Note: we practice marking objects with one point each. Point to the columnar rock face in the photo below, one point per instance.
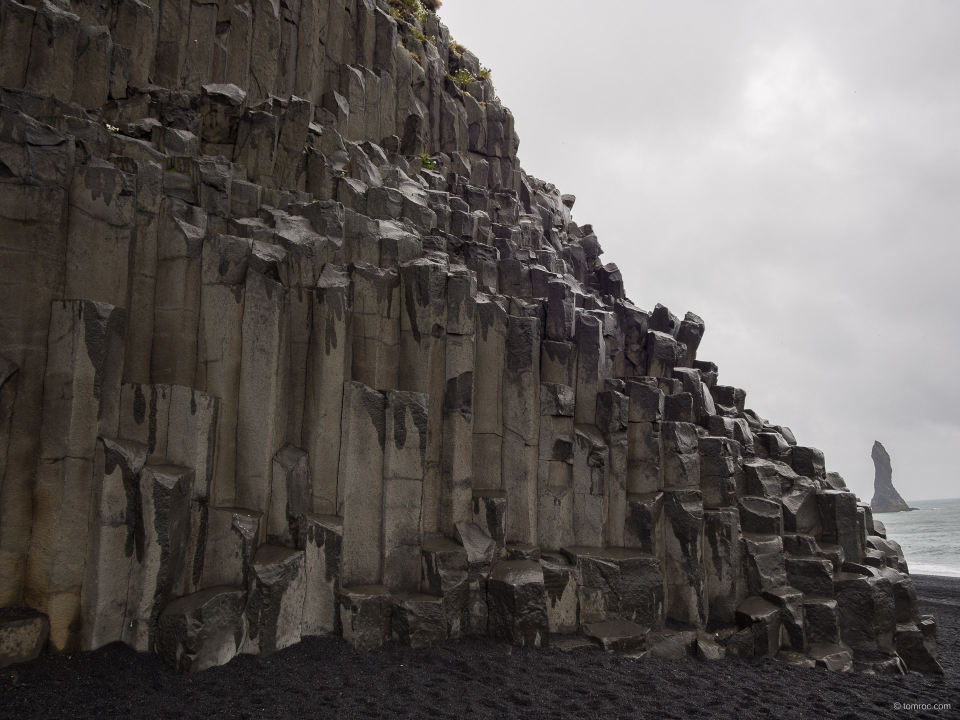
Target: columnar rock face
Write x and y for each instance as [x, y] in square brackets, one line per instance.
[885, 495]
[290, 345]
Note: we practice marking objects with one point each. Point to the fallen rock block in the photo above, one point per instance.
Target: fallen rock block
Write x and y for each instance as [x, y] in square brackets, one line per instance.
[23, 635]
[418, 620]
[741, 644]
[365, 614]
[917, 645]
[833, 657]
[668, 644]
[516, 604]
[709, 649]
[202, 630]
[275, 606]
[893, 665]
[618, 635]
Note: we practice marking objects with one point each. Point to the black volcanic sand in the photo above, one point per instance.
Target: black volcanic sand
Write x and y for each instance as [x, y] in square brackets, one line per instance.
[325, 678]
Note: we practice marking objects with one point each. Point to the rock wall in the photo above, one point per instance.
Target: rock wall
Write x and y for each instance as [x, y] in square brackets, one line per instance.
[290, 345]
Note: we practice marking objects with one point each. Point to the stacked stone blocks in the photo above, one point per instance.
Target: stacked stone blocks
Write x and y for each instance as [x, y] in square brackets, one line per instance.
[291, 346]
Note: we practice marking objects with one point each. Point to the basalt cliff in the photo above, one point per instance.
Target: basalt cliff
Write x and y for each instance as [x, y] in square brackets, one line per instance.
[291, 345]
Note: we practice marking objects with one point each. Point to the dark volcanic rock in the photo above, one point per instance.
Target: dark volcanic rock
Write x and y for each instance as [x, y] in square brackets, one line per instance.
[482, 678]
[202, 630]
[885, 495]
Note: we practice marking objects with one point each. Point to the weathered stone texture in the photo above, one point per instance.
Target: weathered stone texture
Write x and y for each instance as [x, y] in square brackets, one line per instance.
[885, 497]
[291, 345]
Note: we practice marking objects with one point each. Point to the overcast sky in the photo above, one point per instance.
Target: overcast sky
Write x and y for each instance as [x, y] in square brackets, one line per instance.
[789, 171]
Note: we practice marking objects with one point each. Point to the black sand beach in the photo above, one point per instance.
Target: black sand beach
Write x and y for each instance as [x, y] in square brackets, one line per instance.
[325, 678]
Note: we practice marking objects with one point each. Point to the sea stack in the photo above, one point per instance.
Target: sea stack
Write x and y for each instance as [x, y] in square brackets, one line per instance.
[885, 496]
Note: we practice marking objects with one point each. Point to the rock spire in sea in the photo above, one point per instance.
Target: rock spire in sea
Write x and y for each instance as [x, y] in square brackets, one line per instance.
[885, 496]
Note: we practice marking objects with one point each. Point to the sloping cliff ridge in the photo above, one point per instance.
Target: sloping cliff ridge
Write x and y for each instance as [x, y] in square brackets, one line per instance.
[291, 345]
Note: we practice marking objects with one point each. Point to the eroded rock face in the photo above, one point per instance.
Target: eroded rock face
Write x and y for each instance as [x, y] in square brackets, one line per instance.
[291, 345]
[885, 495]
[202, 630]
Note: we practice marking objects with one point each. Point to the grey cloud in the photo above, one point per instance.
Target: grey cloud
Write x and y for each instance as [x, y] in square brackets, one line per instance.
[789, 171]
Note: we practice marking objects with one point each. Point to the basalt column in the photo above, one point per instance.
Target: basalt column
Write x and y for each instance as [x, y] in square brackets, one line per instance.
[423, 348]
[521, 428]
[223, 271]
[328, 368]
[291, 345]
[81, 401]
[491, 338]
[458, 402]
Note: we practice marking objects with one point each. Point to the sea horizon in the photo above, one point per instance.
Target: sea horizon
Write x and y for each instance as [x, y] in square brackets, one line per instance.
[929, 535]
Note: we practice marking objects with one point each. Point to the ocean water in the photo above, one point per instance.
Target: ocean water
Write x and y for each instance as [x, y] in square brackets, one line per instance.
[930, 536]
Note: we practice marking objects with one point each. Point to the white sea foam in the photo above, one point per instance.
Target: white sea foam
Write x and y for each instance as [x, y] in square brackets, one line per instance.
[941, 570]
